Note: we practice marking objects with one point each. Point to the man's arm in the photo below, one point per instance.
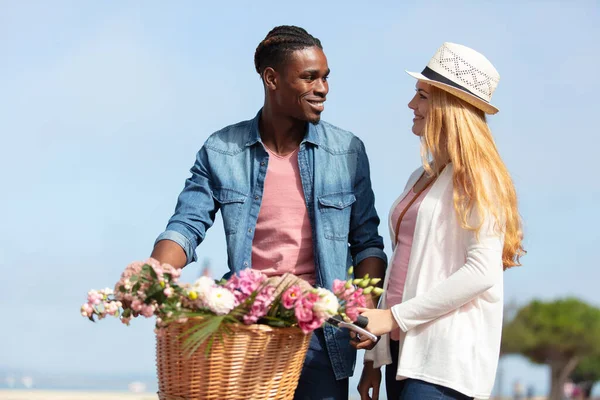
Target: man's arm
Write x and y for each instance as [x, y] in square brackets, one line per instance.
[169, 252]
[366, 245]
[375, 267]
[194, 215]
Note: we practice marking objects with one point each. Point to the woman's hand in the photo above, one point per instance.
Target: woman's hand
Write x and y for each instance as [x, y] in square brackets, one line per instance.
[370, 378]
[380, 321]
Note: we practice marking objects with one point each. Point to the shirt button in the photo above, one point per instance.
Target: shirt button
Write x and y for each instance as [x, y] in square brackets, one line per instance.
[249, 230]
[262, 163]
[245, 263]
[255, 197]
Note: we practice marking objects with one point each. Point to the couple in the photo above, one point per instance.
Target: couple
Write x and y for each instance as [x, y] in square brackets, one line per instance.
[295, 196]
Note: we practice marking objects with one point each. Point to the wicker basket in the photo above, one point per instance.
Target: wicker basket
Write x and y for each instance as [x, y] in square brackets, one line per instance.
[254, 362]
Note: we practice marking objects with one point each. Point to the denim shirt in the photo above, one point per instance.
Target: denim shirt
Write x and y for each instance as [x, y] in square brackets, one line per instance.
[229, 175]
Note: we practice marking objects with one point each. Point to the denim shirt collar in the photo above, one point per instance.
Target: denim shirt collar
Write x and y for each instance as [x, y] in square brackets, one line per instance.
[311, 136]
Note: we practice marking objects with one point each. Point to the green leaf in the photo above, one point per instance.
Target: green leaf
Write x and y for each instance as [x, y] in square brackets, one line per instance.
[152, 292]
[276, 304]
[221, 282]
[276, 322]
[152, 272]
[194, 337]
[136, 287]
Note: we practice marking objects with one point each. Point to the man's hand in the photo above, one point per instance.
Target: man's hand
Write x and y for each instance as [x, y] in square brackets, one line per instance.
[369, 379]
[361, 343]
[286, 280]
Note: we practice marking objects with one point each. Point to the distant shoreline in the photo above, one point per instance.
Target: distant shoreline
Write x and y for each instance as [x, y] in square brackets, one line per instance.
[29, 394]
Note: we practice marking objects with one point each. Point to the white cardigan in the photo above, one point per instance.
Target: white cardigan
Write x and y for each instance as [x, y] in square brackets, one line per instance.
[451, 310]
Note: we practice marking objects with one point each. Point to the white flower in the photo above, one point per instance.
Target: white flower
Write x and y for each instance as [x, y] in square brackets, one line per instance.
[220, 300]
[327, 305]
[202, 287]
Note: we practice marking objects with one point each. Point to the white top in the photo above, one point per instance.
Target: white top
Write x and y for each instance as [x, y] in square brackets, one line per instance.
[451, 310]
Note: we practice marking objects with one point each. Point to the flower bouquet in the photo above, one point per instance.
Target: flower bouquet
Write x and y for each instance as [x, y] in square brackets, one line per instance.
[245, 337]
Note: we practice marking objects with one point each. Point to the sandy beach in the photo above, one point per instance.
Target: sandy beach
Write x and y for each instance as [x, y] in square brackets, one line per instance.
[64, 395]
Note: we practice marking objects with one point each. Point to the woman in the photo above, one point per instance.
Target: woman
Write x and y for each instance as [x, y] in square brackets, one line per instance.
[455, 229]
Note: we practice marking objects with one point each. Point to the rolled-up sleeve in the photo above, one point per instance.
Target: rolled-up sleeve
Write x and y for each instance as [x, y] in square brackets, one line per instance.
[364, 237]
[173, 234]
[195, 210]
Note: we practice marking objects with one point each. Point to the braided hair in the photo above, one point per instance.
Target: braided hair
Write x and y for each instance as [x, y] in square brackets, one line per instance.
[279, 43]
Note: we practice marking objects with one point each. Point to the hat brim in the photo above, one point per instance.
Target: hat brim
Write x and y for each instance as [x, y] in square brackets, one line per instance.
[461, 94]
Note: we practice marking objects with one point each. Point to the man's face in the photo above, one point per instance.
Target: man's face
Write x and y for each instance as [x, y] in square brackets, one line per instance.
[302, 85]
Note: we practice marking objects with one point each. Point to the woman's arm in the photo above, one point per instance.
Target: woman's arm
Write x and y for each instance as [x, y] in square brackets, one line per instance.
[481, 271]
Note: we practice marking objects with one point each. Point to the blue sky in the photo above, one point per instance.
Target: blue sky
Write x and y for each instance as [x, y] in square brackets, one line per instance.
[104, 105]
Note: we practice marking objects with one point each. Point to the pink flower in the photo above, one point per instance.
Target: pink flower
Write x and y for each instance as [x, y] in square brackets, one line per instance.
[132, 269]
[354, 300]
[266, 295]
[289, 297]
[87, 310]
[246, 286]
[250, 280]
[174, 272]
[339, 287]
[245, 283]
[310, 326]
[147, 310]
[94, 297]
[250, 319]
[352, 313]
[304, 307]
[111, 307]
[168, 291]
[155, 264]
[136, 305]
[261, 305]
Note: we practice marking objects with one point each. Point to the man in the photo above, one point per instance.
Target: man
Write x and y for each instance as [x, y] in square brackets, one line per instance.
[295, 196]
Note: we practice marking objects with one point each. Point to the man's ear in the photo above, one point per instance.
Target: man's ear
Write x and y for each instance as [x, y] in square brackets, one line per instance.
[270, 78]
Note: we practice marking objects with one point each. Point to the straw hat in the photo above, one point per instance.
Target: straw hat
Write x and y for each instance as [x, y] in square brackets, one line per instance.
[463, 72]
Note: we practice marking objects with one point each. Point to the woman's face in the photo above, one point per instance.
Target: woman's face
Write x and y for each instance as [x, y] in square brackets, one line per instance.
[420, 105]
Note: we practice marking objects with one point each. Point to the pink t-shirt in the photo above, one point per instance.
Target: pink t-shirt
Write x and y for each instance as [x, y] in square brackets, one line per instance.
[404, 238]
[283, 236]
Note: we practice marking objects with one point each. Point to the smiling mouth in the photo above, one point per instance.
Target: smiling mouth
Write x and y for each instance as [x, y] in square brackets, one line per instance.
[318, 105]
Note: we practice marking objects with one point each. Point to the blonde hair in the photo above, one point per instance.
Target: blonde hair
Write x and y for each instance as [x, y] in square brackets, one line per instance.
[457, 132]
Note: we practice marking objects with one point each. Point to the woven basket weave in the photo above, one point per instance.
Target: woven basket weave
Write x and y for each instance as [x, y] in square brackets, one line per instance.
[254, 362]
